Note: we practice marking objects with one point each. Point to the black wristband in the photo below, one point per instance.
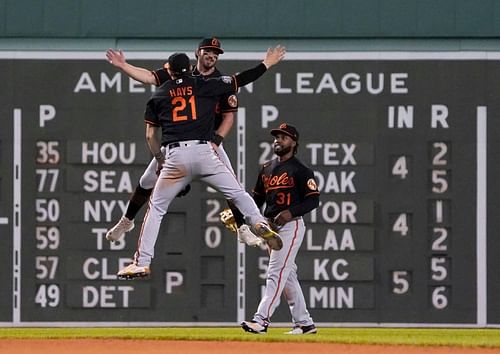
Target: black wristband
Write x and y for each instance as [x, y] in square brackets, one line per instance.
[217, 139]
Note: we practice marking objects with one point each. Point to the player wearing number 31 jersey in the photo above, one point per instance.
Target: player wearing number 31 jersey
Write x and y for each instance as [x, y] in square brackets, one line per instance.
[290, 191]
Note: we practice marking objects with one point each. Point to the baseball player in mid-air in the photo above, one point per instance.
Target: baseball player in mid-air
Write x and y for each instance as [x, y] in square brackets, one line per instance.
[290, 191]
[207, 55]
[183, 109]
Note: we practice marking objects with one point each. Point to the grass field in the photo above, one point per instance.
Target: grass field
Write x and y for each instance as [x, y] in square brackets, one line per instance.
[488, 338]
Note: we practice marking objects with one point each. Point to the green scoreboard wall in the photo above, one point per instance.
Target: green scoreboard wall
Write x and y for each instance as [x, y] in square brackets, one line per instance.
[404, 146]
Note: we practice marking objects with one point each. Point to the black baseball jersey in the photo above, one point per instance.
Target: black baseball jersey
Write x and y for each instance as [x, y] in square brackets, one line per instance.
[185, 107]
[227, 102]
[285, 185]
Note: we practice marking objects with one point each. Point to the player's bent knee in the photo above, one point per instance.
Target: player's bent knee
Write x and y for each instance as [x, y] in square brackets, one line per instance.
[147, 182]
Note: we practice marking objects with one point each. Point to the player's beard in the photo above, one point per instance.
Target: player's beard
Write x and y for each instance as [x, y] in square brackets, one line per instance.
[207, 63]
[280, 150]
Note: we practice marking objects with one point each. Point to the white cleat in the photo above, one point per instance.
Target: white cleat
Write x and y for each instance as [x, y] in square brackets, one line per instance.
[311, 329]
[247, 236]
[117, 231]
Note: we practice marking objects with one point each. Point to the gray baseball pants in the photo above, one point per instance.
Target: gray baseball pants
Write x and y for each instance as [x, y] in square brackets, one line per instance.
[189, 161]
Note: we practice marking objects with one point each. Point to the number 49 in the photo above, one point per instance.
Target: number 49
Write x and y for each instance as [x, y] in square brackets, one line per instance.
[48, 295]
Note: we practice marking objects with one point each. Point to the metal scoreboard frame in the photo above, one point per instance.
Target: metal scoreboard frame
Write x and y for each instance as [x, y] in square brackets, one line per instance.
[401, 238]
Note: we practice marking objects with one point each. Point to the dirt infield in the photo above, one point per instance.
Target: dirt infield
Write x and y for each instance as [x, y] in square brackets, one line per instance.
[111, 346]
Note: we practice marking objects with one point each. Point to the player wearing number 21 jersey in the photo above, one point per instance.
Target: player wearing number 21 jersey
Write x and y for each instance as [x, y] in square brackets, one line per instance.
[184, 109]
[207, 56]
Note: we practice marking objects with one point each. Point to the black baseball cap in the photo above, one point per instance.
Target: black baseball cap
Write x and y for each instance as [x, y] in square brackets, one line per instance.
[287, 129]
[210, 43]
[179, 62]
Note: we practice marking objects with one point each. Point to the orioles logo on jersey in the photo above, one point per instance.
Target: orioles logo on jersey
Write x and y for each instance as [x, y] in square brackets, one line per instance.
[311, 184]
[232, 101]
[277, 182]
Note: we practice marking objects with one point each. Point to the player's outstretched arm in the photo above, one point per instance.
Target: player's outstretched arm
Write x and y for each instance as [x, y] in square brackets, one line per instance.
[117, 59]
[274, 56]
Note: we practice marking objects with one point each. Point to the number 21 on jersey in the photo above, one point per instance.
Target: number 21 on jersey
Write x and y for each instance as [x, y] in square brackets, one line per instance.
[183, 109]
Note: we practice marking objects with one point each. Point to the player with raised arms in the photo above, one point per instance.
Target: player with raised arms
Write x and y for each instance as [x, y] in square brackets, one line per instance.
[183, 109]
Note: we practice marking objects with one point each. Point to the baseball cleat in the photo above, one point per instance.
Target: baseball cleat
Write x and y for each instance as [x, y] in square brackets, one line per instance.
[133, 271]
[311, 329]
[271, 237]
[254, 327]
[117, 231]
[247, 236]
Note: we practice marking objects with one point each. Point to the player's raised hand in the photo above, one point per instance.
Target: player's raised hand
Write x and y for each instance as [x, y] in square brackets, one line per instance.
[116, 58]
[274, 56]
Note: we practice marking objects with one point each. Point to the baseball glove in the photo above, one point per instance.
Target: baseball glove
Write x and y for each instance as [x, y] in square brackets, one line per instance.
[227, 218]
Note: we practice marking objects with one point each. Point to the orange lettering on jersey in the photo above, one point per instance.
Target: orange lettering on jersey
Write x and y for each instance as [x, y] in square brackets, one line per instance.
[181, 91]
[276, 182]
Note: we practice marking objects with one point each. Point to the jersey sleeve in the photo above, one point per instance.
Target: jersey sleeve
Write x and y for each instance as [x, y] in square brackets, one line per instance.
[308, 183]
[161, 75]
[259, 191]
[250, 75]
[228, 103]
[150, 115]
[308, 189]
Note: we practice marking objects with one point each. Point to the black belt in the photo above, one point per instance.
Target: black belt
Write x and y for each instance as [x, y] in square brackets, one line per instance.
[185, 143]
